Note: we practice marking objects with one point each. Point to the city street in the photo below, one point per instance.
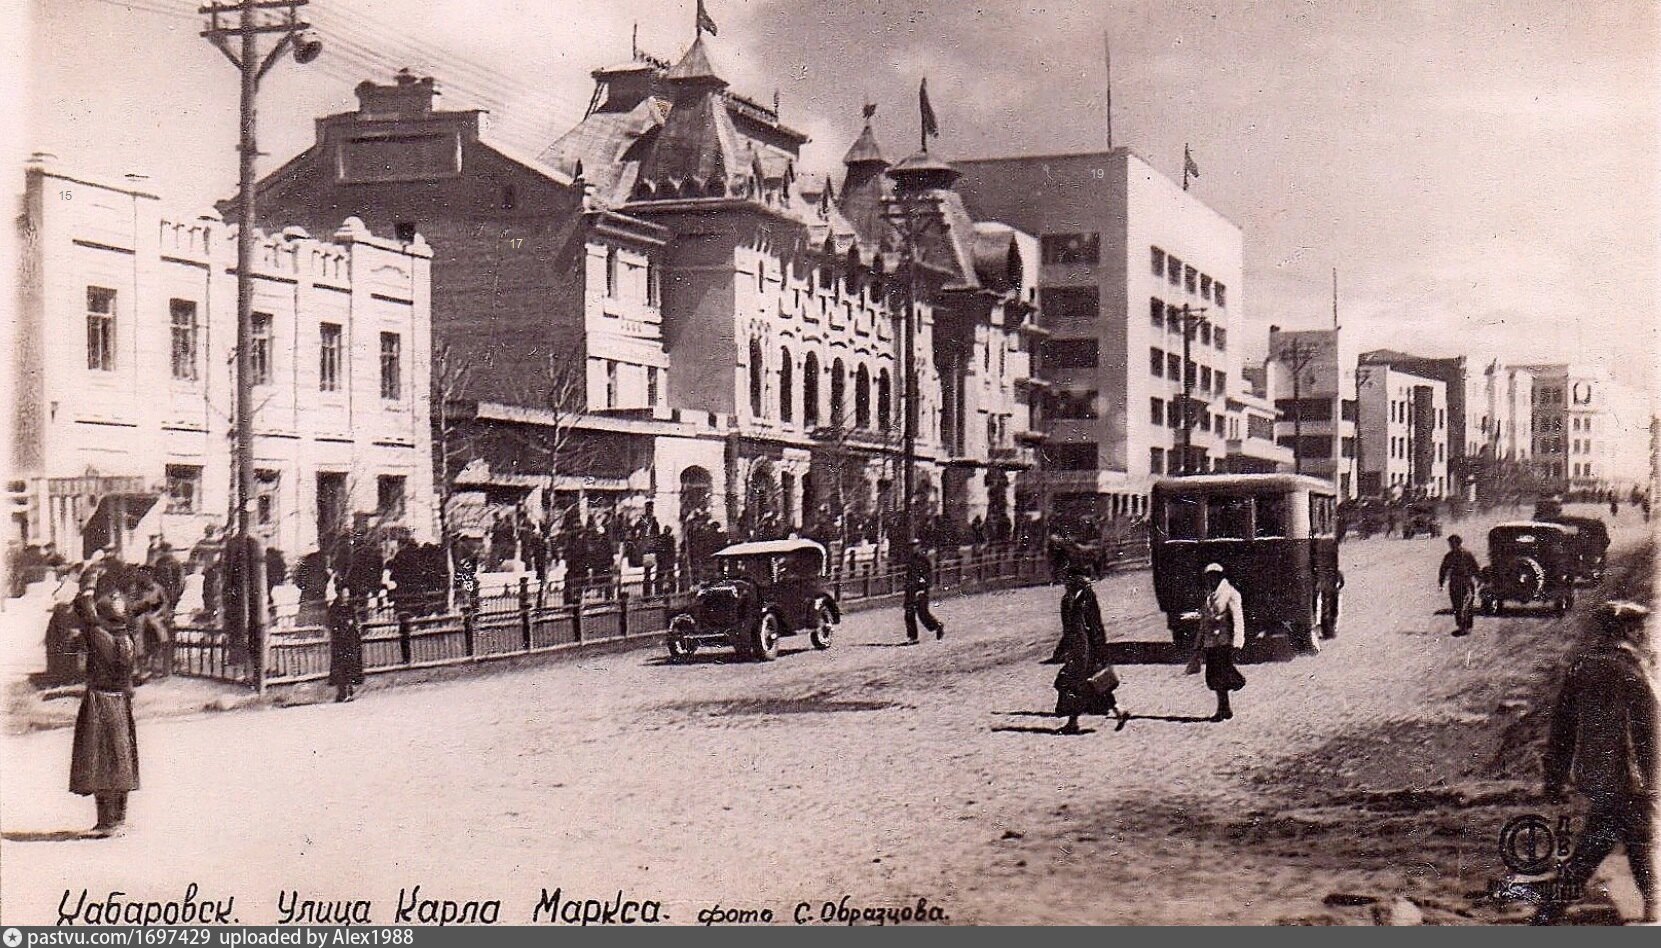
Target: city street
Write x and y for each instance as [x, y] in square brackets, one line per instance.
[1383, 767]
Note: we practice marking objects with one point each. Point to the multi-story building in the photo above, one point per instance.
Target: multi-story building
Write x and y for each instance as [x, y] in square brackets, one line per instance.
[1461, 387]
[1250, 421]
[123, 398]
[1129, 260]
[1311, 374]
[1404, 430]
[739, 327]
[1502, 421]
[1588, 429]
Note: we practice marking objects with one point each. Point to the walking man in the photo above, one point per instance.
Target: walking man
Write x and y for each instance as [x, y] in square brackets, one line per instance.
[1223, 630]
[1459, 574]
[919, 577]
[1603, 741]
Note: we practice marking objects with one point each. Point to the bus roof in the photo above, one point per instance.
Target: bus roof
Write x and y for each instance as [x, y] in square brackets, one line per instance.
[1210, 482]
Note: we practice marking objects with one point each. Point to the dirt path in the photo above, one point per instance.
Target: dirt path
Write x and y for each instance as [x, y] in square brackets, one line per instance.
[880, 772]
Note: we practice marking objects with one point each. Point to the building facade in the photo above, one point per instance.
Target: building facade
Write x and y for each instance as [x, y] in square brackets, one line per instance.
[1130, 264]
[1311, 375]
[1404, 433]
[737, 327]
[1588, 429]
[123, 404]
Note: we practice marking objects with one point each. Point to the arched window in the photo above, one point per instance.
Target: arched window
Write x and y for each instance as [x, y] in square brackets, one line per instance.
[810, 390]
[695, 491]
[787, 393]
[757, 371]
[862, 397]
[885, 399]
[839, 387]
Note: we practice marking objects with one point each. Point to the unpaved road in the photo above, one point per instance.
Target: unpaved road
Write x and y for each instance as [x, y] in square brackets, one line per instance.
[880, 772]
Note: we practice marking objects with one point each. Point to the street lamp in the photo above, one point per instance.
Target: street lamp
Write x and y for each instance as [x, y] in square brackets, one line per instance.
[913, 211]
[247, 20]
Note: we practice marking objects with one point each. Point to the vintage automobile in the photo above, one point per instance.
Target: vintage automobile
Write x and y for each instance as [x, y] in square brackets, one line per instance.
[1363, 517]
[1276, 537]
[1420, 518]
[1590, 542]
[1529, 561]
[762, 591]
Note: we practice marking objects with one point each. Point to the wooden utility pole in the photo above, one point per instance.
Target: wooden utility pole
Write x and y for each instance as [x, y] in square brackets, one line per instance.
[1297, 355]
[246, 21]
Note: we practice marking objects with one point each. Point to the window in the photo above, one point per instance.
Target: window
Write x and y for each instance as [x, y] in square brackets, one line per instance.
[1156, 410]
[787, 387]
[1441, 418]
[1074, 405]
[1173, 270]
[404, 231]
[1228, 518]
[611, 272]
[1188, 375]
[1205, 378]
[654, 283]
[1156, 312]
[1347, 447]
[1219, 338]
[1219, 293]
[1158, 260]
[1070, 308]
[653, 393]
[1205, 332]
[1070, 248]
[1173, 414]
[1305, 409]
[1173, 318]
[1190, 279]
[259, 357]
[1222, 383]
[838, 394]
[611, 383]
[100, 329]
[328, 357]
[1156, 362]
[510, 198]
[1182, 517]
[761, 276]
[392, 373]
[810, 390]
[862, 397]
[389, 497]
[1156, 460]
[184, 489]
[1271, 516]
[182, 319]
[885, 399]
[1070, 353]
[1205, 287]
[1257, 426]
[266, 486]
[1347, 409]
[1323, 516]
[1070, 456]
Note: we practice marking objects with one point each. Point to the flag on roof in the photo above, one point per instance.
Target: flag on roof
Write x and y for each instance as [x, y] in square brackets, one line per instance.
[705, 24]
[931, 128]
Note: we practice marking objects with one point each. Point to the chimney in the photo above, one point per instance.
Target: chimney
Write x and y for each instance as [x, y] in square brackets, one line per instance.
[408, 96]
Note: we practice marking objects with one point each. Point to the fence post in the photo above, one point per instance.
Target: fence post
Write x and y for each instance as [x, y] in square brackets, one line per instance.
[467, 633]
[622, 613]
[404, 650]
[577, 619]
[525, 612]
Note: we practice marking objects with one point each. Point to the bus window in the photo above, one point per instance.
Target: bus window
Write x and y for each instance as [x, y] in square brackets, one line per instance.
[1271, 516]
[1228, 518]
[1323, 516]
[1182, 518]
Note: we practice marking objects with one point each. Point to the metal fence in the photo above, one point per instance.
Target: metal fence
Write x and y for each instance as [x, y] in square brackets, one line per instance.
[534, 618]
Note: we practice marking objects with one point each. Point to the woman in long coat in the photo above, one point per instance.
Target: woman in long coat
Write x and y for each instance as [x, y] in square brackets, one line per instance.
[1223, 632]
[1084, 655]
[104, 763]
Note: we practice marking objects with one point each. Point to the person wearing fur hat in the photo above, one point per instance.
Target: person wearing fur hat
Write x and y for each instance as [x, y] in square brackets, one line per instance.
[104, 761]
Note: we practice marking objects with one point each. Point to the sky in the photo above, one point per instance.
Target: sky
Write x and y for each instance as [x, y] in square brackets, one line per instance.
[1483, 175]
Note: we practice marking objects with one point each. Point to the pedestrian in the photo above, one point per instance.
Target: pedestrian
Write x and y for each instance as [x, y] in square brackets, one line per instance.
[1085, 682]
[169, 572]
[150, 611]
[1222, 631]
[1603, 741]
[1459, 574]
[345, 645]
[104, 761]
[919, 577]
[1614, 508]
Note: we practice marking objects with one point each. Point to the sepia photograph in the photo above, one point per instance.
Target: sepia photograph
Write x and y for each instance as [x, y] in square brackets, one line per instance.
[827, 463]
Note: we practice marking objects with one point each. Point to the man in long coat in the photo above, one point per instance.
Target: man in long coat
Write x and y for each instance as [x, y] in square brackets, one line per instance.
[1459, 573]
[1080, 684]
[104, 761]
[1603, 741]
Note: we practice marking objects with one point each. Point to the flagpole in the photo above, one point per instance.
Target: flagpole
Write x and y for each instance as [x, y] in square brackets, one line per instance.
[1107, 47]
[1185, 164]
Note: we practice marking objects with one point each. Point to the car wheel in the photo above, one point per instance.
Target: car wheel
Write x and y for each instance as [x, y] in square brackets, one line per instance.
[1489, 606]
[1305, 634]
[680, 647]
[765, 646]
[826, 627]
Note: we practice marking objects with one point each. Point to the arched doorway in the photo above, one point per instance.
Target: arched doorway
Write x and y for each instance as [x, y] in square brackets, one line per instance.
[696, 488]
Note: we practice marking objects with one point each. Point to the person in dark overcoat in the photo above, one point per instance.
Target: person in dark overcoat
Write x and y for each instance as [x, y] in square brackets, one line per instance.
[104, 761]
[919, 578]
[151, 614]
[1084, 654]
[345, 646]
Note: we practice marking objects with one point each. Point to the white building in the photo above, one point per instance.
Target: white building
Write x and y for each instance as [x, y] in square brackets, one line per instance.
[1501, 405]
[1311, 375]
[123, 404]
[1404, 432]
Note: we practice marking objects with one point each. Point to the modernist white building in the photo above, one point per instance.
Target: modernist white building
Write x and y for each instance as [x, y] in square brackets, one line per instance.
[1404, 432]
[1319, 406]
[122, 399]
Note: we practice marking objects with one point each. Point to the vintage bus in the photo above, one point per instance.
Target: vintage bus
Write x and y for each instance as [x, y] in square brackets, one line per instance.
[1276, 537]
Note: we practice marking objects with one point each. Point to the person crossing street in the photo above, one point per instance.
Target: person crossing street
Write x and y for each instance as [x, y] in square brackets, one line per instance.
[1459, 574]
[919, 577]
